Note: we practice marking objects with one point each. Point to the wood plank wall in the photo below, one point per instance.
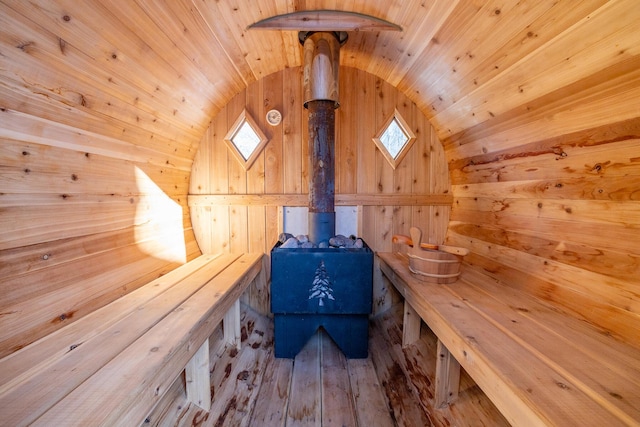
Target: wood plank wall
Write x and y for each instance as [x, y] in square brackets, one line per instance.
[535, 102]
[389, 201]
[94, 168]
[546, 179]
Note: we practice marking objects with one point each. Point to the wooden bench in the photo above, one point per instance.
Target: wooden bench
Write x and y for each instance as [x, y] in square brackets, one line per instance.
[539, 365]
[111, 367]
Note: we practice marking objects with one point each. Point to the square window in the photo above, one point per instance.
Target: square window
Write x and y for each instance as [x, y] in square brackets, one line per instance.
[394, 139]
[246, 140]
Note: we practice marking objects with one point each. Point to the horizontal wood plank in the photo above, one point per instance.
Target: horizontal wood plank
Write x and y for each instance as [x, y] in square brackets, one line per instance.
[521, 383]
[43, 373]
[606, 365]
[133, 381]
[303, 200]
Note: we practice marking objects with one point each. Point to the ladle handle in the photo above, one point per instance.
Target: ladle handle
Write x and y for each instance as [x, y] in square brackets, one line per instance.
[416, 237]
[406, 240]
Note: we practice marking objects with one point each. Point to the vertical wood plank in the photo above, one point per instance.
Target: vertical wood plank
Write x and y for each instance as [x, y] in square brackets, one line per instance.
[256, 216]
[410, 325]
[421, 158]
[238, 215]
[272, 98]
[371, 408]
[346, 135]
[438, 223]
[256, 235]
[385, 104]
[220, 229]
[440, 183]
[238, 238]
[404, 173]
[197, 378]
[292, 129]
[337, 404]
[231, 325]
[254, 105]
[219, 162]
[200, 183]
[219, 182]
[306, 390]
[202, 223]
[447, 377]
[271, 407]
[365, 99]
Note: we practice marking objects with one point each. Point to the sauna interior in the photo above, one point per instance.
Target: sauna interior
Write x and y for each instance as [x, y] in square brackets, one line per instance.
[135, 241]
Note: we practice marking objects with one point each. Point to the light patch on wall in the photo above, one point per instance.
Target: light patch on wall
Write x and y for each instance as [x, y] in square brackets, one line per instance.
[159, 216]
[347, 220]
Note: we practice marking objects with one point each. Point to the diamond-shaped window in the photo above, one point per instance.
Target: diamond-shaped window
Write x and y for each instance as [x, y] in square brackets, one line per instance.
[394, 139]
[245, 139]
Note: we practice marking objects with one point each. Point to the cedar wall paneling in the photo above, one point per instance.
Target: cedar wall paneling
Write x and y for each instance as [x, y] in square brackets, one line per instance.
[281, 171]
[547, 188]
[79, 228]
[94, 165]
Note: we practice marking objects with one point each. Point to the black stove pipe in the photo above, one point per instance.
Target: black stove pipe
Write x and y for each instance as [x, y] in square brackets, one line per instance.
[322, 217]
[321, 65]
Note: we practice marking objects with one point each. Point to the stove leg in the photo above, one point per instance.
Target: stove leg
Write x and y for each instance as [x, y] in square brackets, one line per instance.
[349, 332]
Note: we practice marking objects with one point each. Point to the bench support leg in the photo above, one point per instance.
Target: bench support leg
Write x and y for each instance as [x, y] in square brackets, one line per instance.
[197, 378]
[231, 325]
[447, 377]
[410, 325]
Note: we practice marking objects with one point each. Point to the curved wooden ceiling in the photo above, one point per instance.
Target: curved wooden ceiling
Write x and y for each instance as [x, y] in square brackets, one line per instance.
[462, 62]
[164, 68]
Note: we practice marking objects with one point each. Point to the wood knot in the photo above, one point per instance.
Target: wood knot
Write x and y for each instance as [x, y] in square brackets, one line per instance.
[25, 46]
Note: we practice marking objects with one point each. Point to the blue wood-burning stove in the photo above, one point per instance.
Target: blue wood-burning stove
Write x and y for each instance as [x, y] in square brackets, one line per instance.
[329, 288]
[321, 287]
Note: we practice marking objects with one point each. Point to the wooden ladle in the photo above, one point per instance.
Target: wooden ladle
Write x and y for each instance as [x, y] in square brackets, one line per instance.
[409, 241]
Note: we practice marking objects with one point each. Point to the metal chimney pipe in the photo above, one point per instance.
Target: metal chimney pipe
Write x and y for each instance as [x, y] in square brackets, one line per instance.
[322, 217]
[321, 66]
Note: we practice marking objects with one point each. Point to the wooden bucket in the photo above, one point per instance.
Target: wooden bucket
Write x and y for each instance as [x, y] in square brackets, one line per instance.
[434, 266]
[430, 265]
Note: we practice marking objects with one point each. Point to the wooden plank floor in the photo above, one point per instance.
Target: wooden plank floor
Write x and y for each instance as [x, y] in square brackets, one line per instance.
[320, 387]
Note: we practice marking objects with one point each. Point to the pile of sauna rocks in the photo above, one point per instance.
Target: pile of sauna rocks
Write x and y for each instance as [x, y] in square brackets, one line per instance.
[302, 241]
